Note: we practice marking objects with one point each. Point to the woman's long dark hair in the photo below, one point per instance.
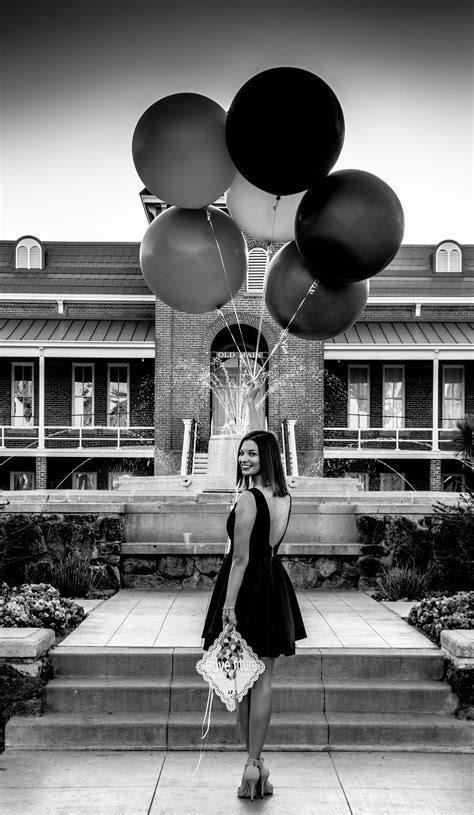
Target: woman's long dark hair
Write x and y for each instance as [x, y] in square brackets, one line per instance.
[271, 468]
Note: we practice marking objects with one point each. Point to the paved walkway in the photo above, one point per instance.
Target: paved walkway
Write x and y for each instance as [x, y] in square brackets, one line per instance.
[165, 619]
[153, 783]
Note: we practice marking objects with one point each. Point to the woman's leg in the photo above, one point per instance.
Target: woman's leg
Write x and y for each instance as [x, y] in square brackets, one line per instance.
[244, 718]
[260, 710]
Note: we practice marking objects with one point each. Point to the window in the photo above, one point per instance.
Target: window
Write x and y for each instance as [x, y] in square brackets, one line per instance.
[454, 482]
[29, 254]
[22, 481]
[82, 395]
[448, 257]
[257, 269]
[358, 401]
[393, 396]
[84, 481]
[118, 406]
[22, 395]
[362, 477]
[114, 477]
[453, 394]
[392, 481]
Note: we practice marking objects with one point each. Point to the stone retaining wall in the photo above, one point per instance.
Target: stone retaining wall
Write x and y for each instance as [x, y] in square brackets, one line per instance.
[199, 571]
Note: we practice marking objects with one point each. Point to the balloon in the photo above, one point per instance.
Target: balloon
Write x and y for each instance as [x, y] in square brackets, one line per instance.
[325, 313]
[349, 226]
[259, 214]
[180, 260]
[180, 152]
[285, 130]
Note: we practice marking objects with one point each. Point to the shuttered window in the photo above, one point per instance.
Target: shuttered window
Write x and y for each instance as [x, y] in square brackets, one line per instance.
[448, 258]
[29, 254]
[257, 268]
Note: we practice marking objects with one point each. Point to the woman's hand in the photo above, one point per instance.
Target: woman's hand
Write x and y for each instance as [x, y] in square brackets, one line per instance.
[228, 617]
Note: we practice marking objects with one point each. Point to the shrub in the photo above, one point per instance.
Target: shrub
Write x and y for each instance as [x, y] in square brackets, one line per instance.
[436, 614]
[400, 583]
[452, 529]
[38, 605]
[72, 575]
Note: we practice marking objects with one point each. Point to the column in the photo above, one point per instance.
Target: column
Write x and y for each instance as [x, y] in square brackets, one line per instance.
[436, 481]
[186, 443]
[435, 432]
[41, 389]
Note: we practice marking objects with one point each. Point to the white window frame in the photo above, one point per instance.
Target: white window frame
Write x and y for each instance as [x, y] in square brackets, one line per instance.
[254, 284]
[14, 473]
[452, 249]
[75, 478]
[402, 418]
[356, 426]
[445, 420]
[14, 419]
[29, 243]
[118, 365]
[383, 476]
[75, 419]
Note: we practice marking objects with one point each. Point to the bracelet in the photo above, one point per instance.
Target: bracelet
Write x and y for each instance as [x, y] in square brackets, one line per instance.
[227, 609]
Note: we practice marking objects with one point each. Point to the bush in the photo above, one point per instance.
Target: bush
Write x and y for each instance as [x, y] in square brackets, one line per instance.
[436, 614]
[72, 576]
[401, 583]
[38, 605]
[452, 562]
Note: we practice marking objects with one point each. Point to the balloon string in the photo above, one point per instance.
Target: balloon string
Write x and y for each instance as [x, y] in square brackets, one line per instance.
[285, 332]
[205, 728]
[264, 288]
[246, 358]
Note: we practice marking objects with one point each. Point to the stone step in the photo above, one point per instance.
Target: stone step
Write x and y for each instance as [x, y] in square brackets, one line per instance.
[87, 696]
[294, 695]
[113, 662]
[402, 696]
[71, 731]
[375, 731]
[382, 663]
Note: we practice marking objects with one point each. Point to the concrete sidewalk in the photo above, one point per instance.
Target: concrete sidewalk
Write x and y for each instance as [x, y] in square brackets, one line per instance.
[148, 783]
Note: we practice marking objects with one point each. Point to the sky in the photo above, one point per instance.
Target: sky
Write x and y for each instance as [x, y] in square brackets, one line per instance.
[77, 76]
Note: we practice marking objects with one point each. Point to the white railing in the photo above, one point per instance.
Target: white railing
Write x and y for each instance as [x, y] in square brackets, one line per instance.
[382, 438]
[78, 438]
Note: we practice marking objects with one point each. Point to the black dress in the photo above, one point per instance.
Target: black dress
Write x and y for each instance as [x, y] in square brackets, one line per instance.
[267, 611]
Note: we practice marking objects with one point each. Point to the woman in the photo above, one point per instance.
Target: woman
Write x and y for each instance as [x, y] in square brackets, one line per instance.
[253, 592]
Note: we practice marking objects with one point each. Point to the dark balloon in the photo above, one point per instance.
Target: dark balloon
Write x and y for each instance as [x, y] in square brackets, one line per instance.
[180, 151]
[285, 130]
[325, 313]
[180, 260]
[349, 226]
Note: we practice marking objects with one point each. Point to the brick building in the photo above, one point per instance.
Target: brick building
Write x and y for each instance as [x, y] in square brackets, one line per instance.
[82, 339]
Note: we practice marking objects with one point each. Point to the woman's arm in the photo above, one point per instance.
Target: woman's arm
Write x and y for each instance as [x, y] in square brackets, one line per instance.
[245, 513]
[251, 394]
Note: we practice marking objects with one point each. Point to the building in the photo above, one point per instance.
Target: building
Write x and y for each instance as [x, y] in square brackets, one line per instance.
[81, 341]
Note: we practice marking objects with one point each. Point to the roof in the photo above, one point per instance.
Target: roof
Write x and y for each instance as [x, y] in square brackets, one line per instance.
[114, 268]
[404, 333]
[65, 330]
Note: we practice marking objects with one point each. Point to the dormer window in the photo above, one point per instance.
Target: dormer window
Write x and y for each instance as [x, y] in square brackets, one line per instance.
[257, 267]
[29, 253]
[448, 257]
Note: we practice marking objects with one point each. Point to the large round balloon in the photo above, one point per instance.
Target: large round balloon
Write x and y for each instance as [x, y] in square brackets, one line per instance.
[260, 215]
[285, 130]
[180, 258]
[324, 313]
[349, 226]
[180, 151]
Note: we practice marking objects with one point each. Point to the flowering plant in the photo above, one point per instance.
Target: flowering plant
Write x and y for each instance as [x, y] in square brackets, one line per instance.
[38, 605]
[436, 614]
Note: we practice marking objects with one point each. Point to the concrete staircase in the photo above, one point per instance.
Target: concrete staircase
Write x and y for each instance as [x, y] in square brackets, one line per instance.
[324, 699]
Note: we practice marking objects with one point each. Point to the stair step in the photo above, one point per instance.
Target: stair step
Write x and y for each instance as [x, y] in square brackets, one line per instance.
[291, 696]
[403, 696]
[63, 731]
[306, 664]
[113, 662]
[382, 663]
[427, 733]
[78, 695]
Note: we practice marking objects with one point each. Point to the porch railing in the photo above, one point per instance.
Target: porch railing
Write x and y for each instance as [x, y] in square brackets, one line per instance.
[381, 438]
[66, 436]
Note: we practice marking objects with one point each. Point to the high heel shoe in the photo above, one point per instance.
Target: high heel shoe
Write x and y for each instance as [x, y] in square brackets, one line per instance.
[266, 788]
[250, 779]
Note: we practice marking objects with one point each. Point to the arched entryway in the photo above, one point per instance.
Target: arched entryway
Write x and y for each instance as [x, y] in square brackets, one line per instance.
[233, 352]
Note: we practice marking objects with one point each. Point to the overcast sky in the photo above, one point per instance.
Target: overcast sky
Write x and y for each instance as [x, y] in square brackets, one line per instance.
[76, 78]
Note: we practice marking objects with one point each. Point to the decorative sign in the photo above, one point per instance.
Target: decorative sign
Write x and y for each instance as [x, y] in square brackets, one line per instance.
[230, 667]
